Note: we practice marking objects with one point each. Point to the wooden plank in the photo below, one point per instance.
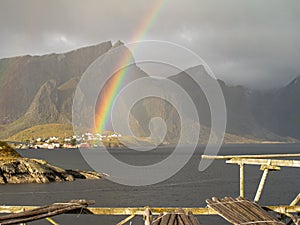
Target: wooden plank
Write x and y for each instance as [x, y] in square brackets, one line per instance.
[165, 219]
[261, 185]
[193, 219]
[140, 211]
[37, 217]
[184, 217]
[242, 211]
[176, 221]
[296, 200]
[172, 219]
[242, 180]
[239, 208]
[283, 209]
[64, 207]
[147, 219]
[51, 221]
[157, 220]
[254, 208]
[126, 220]
[250, 156]
[219, 209]
[273, 162]
[180, 221]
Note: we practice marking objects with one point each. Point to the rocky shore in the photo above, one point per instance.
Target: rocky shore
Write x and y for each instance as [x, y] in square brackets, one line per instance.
[15, 169]
[22, 170]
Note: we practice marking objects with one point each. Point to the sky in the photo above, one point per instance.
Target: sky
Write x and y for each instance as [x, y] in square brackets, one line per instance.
[255, 43]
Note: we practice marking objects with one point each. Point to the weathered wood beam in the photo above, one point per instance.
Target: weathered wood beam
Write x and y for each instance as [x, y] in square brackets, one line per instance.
[36, 217]
[157, 220]
[43, 212]
[296, 200]
[271, 162]
[51, 221]
[126, 220]
[193, 219]
[261, 185]
[250, 156]
[184, 217]
[165, 219]
[283, 209]
[242, 211]
[141, 210]
[147, 215]
[242, 180]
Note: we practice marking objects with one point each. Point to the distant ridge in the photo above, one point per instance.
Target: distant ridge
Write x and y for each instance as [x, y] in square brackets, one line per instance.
[37, 90]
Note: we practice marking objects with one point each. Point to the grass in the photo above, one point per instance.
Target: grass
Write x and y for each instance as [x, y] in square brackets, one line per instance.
[43, 131]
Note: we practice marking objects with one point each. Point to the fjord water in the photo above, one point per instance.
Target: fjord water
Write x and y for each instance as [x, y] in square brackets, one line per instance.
[188, 188]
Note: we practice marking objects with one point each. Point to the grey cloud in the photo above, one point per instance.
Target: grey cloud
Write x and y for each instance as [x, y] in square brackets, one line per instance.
[252, 42]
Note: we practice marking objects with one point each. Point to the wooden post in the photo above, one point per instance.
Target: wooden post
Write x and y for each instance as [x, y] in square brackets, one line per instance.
[293, 218]
[126, 220]
[296, 200]
[23, 210]
[261, 185]
[242, 180]
[147, 216]
[50, 220]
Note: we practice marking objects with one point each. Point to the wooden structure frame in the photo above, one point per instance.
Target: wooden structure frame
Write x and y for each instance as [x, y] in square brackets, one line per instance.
[267, 162]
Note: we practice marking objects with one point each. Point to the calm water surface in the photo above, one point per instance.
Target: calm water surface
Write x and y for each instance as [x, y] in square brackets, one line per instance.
[188, 188]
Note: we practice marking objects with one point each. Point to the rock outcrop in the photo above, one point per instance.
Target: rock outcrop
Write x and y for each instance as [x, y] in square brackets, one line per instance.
[24, 170]
[15, 170]
[7, 151]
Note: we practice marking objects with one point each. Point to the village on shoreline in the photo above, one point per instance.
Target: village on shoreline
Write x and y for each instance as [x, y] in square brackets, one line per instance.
[86, 140]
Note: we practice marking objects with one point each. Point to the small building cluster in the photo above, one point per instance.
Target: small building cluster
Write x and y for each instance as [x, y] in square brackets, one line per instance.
[86, 140]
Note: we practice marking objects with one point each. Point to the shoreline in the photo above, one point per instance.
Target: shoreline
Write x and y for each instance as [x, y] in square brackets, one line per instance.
[266, 143]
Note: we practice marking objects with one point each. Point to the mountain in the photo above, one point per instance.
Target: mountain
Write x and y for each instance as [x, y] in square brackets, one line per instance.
[21, 78]
[40, 89]
[245, 108]
[280, 110]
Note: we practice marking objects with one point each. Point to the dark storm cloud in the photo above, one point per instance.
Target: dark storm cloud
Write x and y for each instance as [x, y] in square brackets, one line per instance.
[256, 43]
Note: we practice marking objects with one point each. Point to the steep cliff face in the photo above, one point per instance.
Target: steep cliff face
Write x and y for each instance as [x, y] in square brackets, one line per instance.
[44, 105]
[52, 104]
[22, 77]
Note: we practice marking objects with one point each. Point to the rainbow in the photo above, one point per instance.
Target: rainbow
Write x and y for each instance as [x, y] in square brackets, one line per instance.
[114, 84]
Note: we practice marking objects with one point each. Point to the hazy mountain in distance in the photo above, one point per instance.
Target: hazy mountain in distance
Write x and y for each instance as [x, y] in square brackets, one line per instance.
[280, 109]
[40, 89]
[240, 103]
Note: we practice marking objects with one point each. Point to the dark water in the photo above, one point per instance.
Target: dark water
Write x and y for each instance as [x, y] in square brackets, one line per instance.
[188, 188]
